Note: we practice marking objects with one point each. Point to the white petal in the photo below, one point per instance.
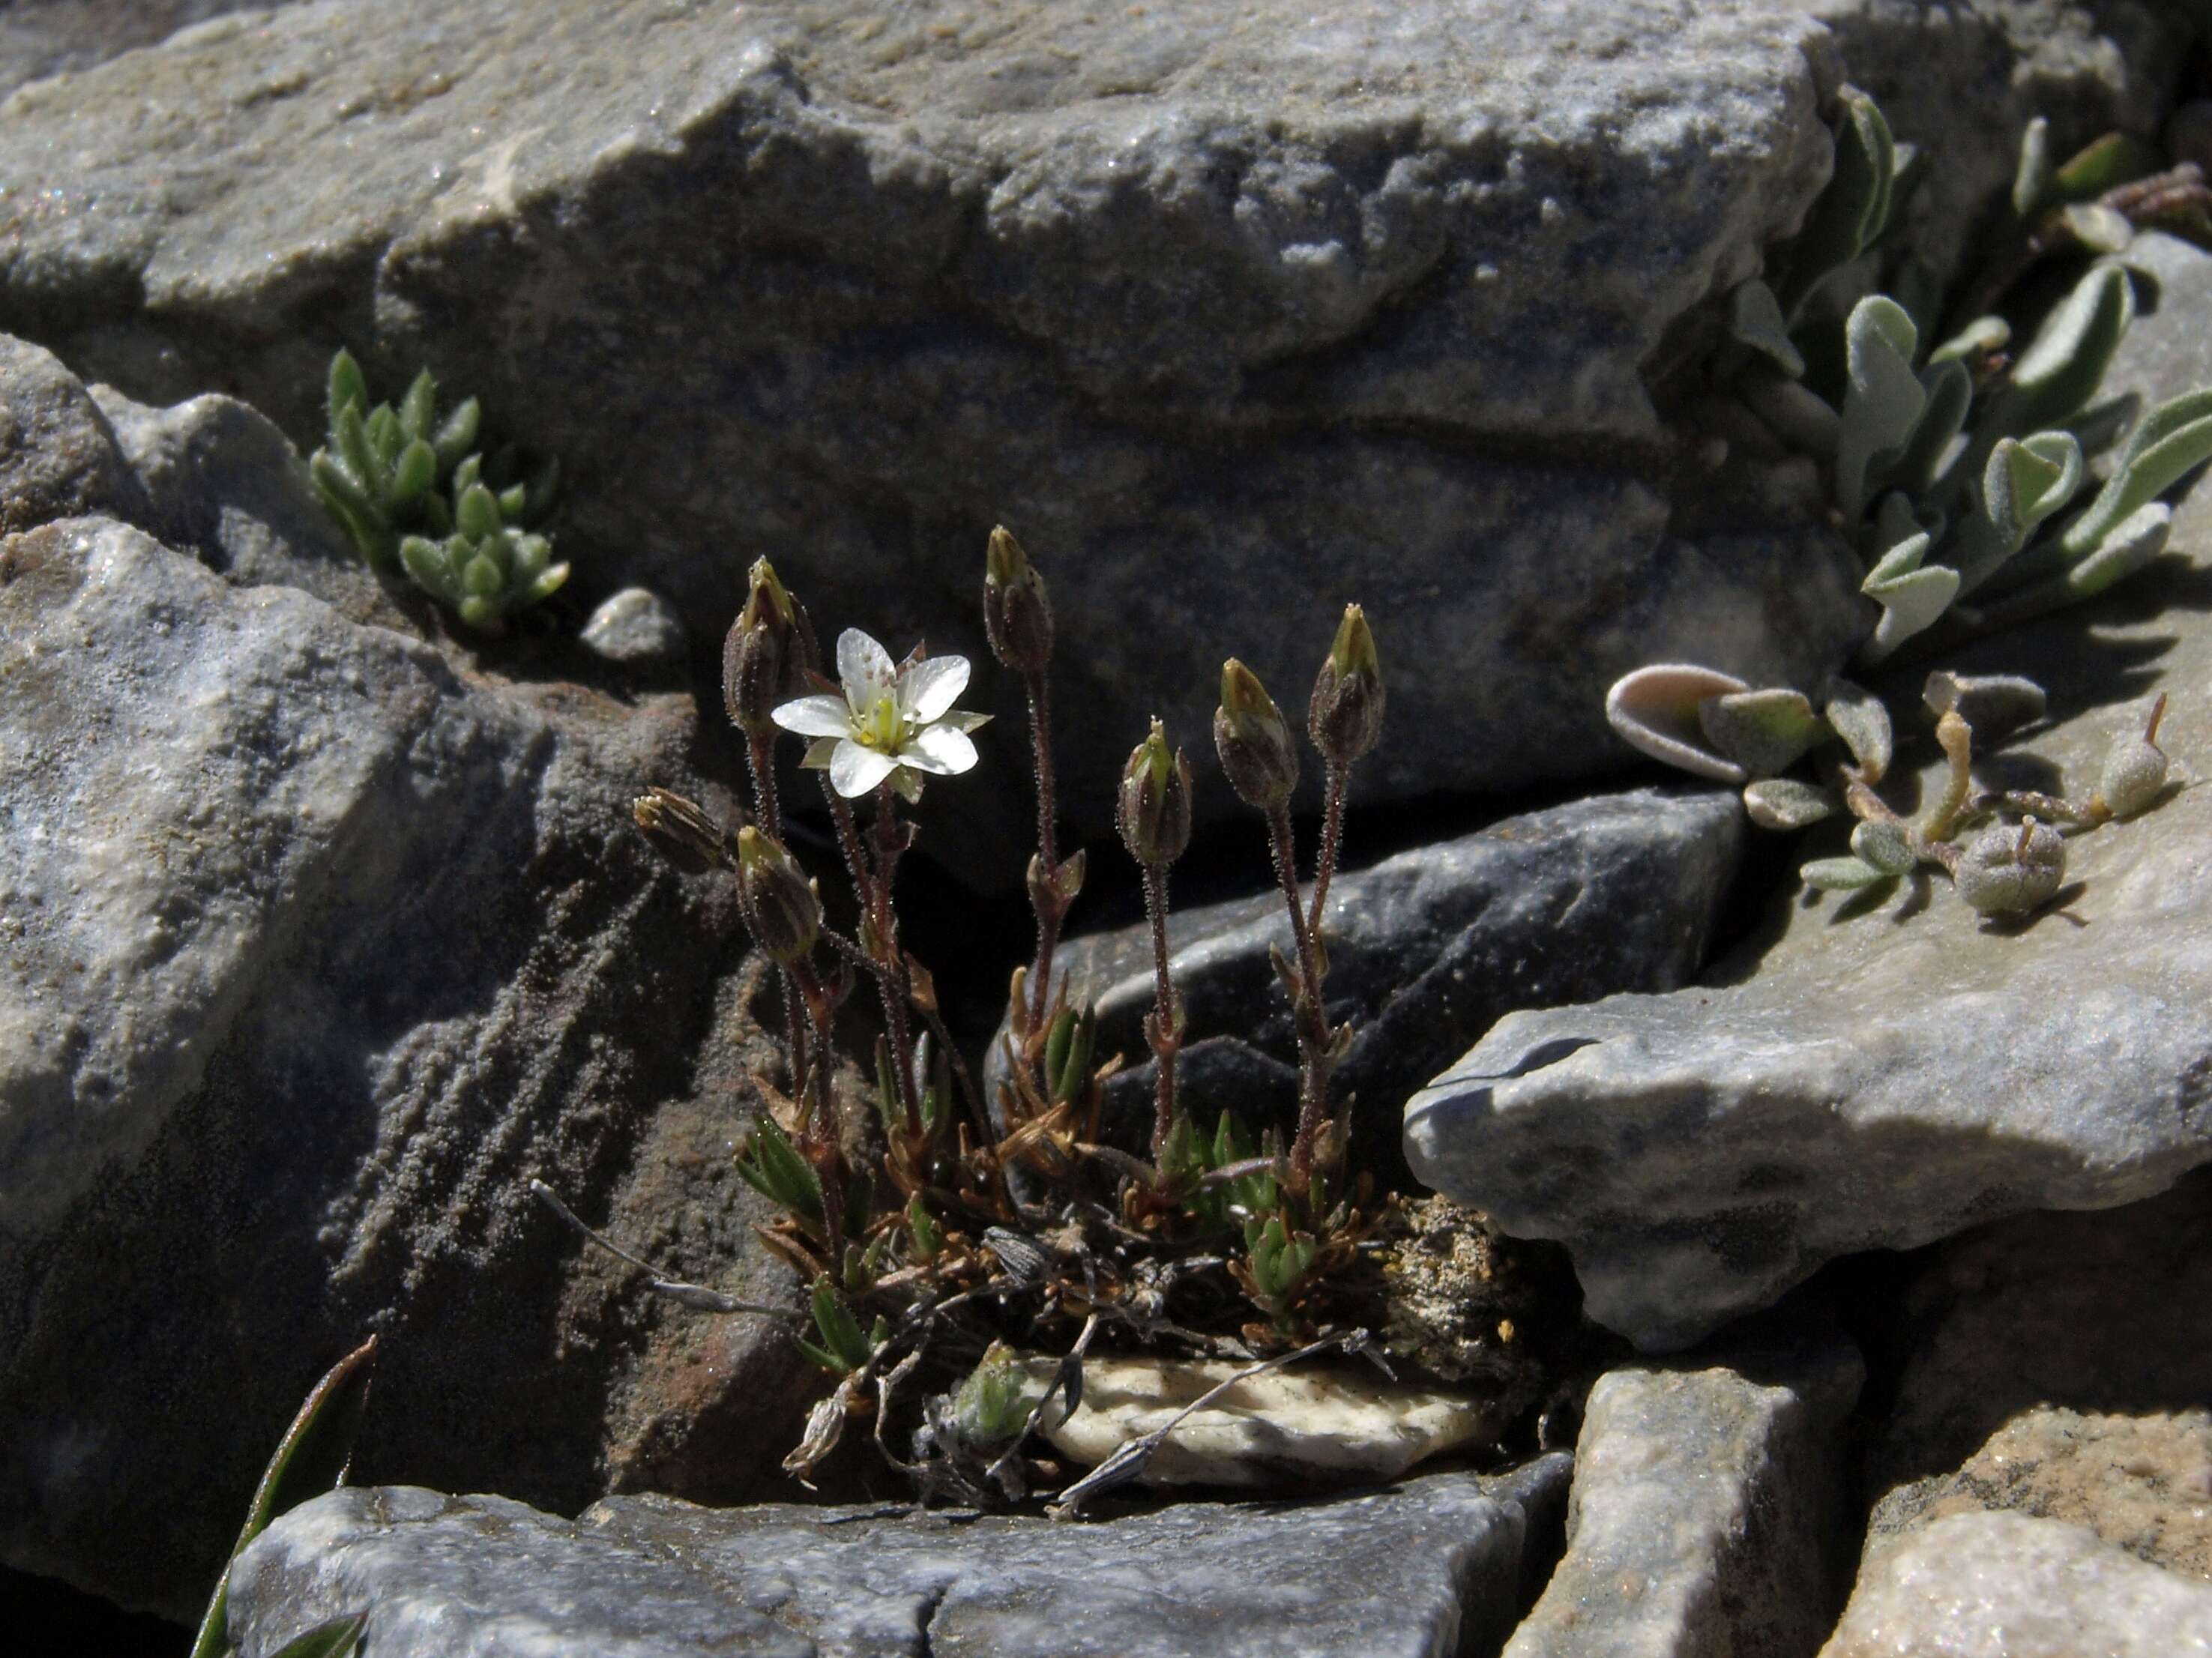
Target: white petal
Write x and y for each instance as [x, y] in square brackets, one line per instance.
[908, 782]
[814, 716]
[961, 721]
[866, 669]
[928, 688]
[821, 751]
[938, 749]
[855, 771]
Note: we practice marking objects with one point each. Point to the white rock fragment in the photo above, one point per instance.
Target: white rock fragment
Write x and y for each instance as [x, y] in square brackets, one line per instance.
[1315, 1425]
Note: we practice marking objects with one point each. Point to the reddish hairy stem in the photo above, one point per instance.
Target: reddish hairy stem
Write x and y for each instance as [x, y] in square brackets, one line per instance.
[760, 756]
[1312, 1025]
[1048, 914]
[1165, 1038]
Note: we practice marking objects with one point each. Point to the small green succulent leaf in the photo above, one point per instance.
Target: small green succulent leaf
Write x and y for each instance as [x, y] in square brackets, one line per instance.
[1882, 400]
[431, 569]
[1755, 320]
[2030, 179]
[418, 410]
[476, 513]
[1654, 710]
[1983, 337]
[335, 1639]
[511, 501]
[2167, 442]
[1786, 803]
[928, 1237]
[414, 472]
[1912, 595]
[1882, 845]
[1763, 731]
[457, 437]
[385, 436]
[1858, 716]
[2059, 373]
[345, 386]
[350, 441]
[2116, 159]
[1841, 875]
[845, 1346]
[548, 583]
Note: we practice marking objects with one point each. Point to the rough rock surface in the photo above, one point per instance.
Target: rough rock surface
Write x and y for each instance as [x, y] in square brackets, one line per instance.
[2004, 1585]
[1427, 950]
[314, 949]
[58, 455]
[1434, 1565]
[41, 38]
[2142, 1483]
[1229, 322]
[2054, 1335]
[1862, 1080]
[1704, 1510]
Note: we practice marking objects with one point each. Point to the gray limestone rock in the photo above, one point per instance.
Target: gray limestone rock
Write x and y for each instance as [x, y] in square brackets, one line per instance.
[1426, 950]
[43, 37]
[314, 949]
[222, 482]
[1863, 1080]
[1433, 1565]
[2005, 1585]
[58, 455]
[1704, 1513]
[1229, 320]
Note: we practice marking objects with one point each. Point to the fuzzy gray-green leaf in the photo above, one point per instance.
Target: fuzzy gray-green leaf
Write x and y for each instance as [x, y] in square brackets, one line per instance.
[1841, 874]
[2030, 179]
[1786, 802]
[2061, 370]
[1912, 597]
[2166, 443]
[1762, 730]
[1755, 320]
[1882, 400]
[1879, 844]
[1858, 716]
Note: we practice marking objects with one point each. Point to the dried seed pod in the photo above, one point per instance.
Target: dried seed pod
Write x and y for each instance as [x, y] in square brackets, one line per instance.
[787, 911]
[2005, 870]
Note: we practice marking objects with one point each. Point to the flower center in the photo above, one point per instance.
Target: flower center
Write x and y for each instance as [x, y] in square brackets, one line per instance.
[883, 730]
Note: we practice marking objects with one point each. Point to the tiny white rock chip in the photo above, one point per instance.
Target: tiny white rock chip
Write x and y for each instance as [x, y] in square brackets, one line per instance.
[1314, 1425]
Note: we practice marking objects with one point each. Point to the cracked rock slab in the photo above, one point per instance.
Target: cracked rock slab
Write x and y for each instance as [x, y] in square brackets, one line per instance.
[1704, 1514]
[1433, 1565]
[1857, 1079]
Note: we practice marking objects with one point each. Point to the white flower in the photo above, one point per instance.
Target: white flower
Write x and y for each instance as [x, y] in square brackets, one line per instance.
[892, 723]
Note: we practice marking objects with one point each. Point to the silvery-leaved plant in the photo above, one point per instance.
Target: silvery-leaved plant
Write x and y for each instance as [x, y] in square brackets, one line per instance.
[1959, 469]
[1019, 1210]
[410, 489]
[1717, 727]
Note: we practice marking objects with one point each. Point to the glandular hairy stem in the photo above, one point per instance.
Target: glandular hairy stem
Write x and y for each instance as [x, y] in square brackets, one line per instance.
[1166, 1031]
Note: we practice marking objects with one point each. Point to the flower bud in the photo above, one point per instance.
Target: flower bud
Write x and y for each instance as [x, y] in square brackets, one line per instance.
[785, 910]
[2134, 769]
[1154, 809]
[1346, 715]
[760, 656]
[2007, 872]
[1017, 615]
[1253, 740]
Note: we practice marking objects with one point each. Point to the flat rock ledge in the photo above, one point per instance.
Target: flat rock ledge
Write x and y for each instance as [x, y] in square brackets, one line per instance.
[1860, 1077]
[1435, 1565]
